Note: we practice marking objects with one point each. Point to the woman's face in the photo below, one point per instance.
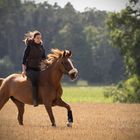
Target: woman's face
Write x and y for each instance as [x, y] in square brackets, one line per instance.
[38, 39]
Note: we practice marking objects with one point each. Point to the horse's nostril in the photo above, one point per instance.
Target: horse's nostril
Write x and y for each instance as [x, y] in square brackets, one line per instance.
[74, 75]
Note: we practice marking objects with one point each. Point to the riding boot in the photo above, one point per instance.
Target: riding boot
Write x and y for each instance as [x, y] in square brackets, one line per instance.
[35, 98]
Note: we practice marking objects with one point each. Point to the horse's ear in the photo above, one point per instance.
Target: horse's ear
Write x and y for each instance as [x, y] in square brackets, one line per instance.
[64, 54]
[70, 54]
[67, 53]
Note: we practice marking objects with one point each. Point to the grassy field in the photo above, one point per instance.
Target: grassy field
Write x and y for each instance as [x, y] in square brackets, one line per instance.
[85, 94]
[93, 120]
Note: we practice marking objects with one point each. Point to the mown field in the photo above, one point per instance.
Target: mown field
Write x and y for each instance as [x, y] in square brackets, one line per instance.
[94, 119]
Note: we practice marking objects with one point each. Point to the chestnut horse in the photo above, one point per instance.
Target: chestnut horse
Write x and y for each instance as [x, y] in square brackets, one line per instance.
[19, 88]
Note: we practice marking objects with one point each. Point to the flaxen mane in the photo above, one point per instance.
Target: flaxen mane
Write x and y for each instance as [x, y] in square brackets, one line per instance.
[52, 57]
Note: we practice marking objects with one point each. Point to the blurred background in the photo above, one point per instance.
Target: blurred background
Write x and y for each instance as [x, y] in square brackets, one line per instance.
[83, 32]
[104, 37]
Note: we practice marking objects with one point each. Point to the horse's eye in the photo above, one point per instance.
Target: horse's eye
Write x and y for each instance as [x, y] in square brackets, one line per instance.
[62, 62]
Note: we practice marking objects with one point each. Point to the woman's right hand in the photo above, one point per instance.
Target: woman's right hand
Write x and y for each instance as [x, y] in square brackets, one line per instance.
[23, 70]
[23, 73]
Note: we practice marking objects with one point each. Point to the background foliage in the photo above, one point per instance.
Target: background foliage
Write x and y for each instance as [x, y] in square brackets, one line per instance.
[125, 35]
[85, 33]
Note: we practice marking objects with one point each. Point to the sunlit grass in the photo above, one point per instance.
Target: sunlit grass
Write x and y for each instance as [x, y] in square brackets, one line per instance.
[85, 94]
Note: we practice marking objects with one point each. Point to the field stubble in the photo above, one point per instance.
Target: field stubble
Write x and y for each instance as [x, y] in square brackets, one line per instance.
[92, 121]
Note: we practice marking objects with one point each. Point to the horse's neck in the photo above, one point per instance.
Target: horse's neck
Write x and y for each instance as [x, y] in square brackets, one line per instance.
[53, 74]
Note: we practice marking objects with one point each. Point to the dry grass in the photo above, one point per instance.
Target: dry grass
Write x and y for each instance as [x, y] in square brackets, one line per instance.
[91, 122]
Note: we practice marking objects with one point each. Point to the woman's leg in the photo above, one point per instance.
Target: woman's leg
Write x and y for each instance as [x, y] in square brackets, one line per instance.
[35, 87]
[34, 75]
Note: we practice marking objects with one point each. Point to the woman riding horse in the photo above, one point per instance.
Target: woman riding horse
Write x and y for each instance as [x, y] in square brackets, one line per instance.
[19, 88]
[33, 55]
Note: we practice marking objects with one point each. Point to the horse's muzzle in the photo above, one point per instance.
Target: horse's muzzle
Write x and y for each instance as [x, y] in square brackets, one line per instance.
[73, 74]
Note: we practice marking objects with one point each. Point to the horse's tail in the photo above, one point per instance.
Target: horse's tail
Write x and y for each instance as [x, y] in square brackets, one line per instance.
[3, 98]
[1, 80]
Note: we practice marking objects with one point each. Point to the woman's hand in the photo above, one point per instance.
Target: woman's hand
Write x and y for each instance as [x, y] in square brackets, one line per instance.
[23, 73]
[23, 70]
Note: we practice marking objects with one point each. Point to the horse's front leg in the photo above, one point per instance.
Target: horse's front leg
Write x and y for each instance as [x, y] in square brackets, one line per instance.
[50, 113]
[61, 103]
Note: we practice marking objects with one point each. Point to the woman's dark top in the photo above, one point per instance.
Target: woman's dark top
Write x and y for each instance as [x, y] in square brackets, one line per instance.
[33, 55]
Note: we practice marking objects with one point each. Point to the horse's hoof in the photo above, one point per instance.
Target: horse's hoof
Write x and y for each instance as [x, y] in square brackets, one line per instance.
[21, 123]
[69, 124]
[53, 125]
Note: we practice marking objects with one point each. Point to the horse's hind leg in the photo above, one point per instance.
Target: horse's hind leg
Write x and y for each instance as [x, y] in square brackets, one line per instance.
[20, 107]
[1, 80]
[3, 100]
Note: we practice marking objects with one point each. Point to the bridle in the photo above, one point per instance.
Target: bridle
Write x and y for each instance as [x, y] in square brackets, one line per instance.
[72, 70]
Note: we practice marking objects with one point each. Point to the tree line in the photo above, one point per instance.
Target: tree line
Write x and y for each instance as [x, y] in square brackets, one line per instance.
[86, 34]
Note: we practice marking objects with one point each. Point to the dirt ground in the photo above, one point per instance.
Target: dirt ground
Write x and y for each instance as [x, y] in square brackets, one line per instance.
[91, 122]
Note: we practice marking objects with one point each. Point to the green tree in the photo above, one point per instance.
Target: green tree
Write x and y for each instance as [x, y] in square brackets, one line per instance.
[125, 35]
[6, 66]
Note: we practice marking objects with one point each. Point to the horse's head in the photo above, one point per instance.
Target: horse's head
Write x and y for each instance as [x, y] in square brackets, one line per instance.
[63, 58]
[67, 66]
